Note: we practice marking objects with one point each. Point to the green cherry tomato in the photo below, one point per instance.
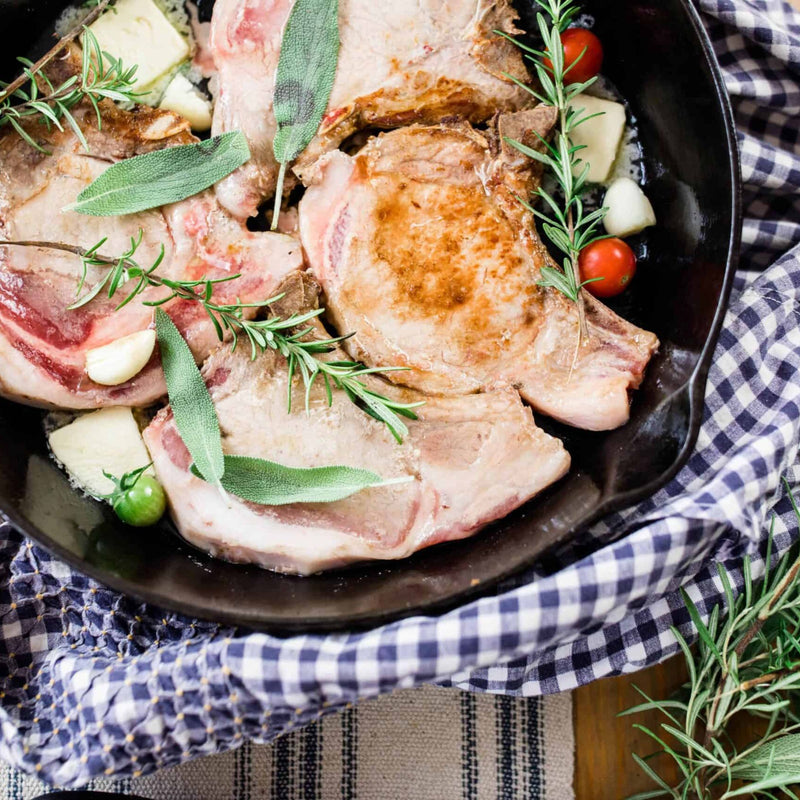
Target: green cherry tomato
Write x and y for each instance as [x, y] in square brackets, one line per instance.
[142, 504]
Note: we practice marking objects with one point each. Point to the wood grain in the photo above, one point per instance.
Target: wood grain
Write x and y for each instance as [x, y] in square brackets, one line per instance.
[604, 769]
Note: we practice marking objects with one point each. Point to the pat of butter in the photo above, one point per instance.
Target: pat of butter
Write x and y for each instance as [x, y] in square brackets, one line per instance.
[107, 439]
[138, 33]
[600, 135]
[185, 99]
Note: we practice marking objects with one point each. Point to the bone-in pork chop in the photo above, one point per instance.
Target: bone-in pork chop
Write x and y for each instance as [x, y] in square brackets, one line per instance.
[422, 249]
[399, 62]
[43, 344]
[473, 459]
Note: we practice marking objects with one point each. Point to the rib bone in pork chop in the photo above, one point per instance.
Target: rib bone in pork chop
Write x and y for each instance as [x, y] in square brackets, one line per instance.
[43, 344]
[422, 249]
[399, 62]
[473, 460]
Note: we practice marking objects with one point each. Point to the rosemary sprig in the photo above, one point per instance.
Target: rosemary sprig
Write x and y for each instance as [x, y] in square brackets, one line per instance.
[566, 223]
[97, 8]
[288, 336]
[746, 663]
[33, 94]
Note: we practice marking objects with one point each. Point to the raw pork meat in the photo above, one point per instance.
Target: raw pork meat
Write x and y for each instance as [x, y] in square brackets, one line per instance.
[473, 460]
[422, 248]
[42, 344]
[399, 62]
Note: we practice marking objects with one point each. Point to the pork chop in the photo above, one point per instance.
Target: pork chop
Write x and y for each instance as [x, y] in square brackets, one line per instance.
[423, 250]
[399, 62]
[43, 344]
[473, 459]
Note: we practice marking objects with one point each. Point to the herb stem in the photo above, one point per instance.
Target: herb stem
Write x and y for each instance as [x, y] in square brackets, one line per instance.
[753, 631]
[580, 301]
[68, 37]
[34, 96]
[276, 212]
[746, 663]
[66, 248]
[275, 333]
[564, 221]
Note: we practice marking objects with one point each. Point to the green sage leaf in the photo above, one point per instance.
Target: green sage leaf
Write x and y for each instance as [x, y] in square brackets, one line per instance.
[304, 79]
[306, 69]
[194, 413]
[270, 484]
[162, 177]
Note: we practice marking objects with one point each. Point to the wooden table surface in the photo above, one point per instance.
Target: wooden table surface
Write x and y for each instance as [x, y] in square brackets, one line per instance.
[604, 769]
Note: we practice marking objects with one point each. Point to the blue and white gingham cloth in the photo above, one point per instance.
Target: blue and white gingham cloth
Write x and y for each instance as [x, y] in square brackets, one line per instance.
[92, 684]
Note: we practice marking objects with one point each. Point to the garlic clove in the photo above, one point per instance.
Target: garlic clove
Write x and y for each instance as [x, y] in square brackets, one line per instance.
[108, 439]
[629, 210]
[184, 98]
[118, 361]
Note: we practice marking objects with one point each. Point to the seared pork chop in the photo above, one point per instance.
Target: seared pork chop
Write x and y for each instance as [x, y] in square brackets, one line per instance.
[423, 250]
[399, 62]
[473, 459]
[43, 344]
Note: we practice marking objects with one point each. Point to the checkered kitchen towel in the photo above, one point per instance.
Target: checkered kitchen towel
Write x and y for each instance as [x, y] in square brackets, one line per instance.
[93, 684]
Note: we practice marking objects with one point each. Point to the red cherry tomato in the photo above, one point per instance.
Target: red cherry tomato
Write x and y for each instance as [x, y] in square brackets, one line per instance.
[575, 41]
[609, 259]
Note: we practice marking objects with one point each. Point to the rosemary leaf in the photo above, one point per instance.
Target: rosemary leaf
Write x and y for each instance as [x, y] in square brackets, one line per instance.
[33, 96]
[162, 177]
[303, 83]
[270, 484]
[194, 413]
[745, 664]
[572, 232]
[289, 336]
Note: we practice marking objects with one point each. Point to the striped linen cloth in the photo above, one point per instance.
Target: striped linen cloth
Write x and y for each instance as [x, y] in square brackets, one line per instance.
[94, 684]
[419, 744]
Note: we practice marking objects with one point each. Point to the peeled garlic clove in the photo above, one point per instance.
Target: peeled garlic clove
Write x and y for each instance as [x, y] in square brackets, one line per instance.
[118, 361]
[184, 98]
[629, 210]
[107, 439]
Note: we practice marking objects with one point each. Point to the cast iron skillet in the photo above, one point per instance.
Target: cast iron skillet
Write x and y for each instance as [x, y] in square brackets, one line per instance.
[686, 268]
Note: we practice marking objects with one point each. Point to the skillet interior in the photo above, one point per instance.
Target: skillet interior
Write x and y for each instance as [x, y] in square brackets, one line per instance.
[681, 291]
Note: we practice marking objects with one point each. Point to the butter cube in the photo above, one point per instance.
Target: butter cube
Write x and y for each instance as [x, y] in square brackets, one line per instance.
[601, 136]
[138, 33]
[107, 439]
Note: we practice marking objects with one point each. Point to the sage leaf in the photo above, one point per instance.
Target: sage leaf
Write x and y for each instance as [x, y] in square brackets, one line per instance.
[194, 413]
[304, 79]
[270, 484]
[162, 177]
